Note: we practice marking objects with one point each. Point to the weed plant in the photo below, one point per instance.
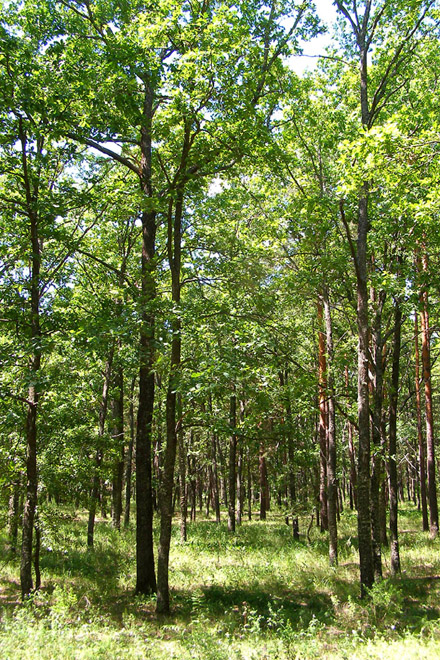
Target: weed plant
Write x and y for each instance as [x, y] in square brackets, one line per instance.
[255, 595]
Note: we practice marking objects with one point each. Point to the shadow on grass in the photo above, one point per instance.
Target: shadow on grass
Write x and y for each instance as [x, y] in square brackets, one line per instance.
[421, 601]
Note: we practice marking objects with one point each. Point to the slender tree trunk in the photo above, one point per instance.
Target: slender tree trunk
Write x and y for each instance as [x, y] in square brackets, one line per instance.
[395, 555]
[118, 439]
[421, 445]
[215, 488]
[426, 362]
[34, 387]
[98, 457]
[145, 571]
[376, 432]
[182, 478]
[360, 262]
[264, 487]
[363, 475]
[232, 461]
[249, 482]
[240, 494]
[351, 454]
[323, 427]
[166, 487]
[430, 452]
[332, 484]
[129, 460]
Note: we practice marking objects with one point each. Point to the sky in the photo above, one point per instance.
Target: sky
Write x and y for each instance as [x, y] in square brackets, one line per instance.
[327, 13]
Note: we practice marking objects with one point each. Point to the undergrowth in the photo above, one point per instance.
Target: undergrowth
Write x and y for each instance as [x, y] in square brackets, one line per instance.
[258, 594]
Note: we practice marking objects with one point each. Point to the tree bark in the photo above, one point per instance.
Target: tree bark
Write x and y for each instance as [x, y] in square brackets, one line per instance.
[332, 484]
[34, 387]
[421, 444]
[264, 487]
[376, 433]
[166, 486]
[395, 554]
[323, 428]
[182, 479]
[232, 461]
[430, 452]
[145, 571]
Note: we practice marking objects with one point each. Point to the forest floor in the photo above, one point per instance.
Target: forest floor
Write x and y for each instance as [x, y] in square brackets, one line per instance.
[255, 595]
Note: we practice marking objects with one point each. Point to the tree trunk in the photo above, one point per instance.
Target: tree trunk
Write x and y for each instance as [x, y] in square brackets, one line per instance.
[421, 445]
[166, 486]
[129, 460]
[98, 457]
[34, 387]
[264, 487]
[376, 433]
[351, 455]
[323, 428]
[145, 571]
[395, 555]
[215, 488]
[118, 439]
[232, 461]
[332, 484]
[182, 479]
[430, 452]
[240, 494]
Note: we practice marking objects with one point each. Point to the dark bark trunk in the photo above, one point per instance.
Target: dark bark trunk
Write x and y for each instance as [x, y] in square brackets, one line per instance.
[363, 474]
[395, 555]
[34, 387]
[145, 571]
[240, 489]
[323, 427]
[351, 453]
[332, 485]
[430, 452]
[215, 488]
[166, 486]
[376, 433]
[232, 462]
[264, 487]
[421, 445]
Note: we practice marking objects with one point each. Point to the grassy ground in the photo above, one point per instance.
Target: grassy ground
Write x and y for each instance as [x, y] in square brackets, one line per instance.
[255, 595]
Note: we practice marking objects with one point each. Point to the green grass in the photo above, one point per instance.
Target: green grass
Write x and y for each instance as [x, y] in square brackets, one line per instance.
[253, 595]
